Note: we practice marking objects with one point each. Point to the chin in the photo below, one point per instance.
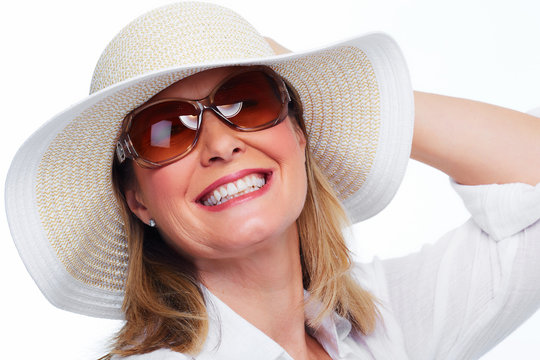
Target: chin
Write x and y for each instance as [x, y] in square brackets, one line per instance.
[257, 233]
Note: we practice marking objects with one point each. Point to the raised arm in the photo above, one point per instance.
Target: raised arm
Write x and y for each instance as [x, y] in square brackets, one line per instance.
[476, 143]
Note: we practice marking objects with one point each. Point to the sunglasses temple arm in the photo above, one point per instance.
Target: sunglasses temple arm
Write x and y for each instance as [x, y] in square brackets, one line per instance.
[284, 86]
[123, 150]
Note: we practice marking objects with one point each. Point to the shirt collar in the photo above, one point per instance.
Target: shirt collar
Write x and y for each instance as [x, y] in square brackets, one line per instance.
[332, 332]
[232, 337]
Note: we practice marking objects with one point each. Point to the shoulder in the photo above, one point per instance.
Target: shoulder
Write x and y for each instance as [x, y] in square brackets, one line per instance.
[161, 354]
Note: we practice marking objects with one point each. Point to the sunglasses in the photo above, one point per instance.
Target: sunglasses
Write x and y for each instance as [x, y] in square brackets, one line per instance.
[163, 131]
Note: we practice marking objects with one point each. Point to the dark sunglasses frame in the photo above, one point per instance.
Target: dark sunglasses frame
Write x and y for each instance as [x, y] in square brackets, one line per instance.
[124, 145]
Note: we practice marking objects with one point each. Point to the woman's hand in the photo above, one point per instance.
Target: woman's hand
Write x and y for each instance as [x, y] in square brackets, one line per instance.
[278, 48]
[476, 143]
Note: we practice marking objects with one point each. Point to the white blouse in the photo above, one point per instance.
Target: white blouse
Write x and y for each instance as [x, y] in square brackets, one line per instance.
[455, 299]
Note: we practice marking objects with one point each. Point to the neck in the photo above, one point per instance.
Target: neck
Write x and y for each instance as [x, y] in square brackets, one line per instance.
[265, 288]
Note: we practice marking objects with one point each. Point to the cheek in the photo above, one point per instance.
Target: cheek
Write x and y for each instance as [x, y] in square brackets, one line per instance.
[169, 202]
[288, 146]
[287, 143]
[167, 192]
[165, 188]
[169, 205]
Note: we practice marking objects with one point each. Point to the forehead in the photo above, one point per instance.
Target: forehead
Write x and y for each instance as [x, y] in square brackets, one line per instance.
[196, 86]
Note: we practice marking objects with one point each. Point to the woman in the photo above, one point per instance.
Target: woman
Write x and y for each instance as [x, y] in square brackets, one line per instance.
[266, 238]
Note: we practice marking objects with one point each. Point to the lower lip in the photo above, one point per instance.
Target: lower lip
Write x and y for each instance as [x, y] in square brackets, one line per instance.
[242, 198]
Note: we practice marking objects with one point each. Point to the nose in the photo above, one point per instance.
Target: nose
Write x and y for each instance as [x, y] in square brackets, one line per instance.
[217, 141]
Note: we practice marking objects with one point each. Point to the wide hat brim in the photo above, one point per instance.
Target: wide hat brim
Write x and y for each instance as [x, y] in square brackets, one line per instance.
[64, 219]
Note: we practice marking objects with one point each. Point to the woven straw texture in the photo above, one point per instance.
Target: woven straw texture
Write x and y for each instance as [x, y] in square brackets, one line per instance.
[94, 250]
[78, 214]
[194, 28]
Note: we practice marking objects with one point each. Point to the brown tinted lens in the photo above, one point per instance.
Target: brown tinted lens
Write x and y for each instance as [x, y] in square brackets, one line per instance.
[250, 99]
[159, 132]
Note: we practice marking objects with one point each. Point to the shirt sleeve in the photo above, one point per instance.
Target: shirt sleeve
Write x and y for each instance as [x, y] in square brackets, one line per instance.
[459, 297]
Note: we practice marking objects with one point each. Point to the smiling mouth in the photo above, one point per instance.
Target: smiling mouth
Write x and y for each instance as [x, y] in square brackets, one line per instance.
[234, 189]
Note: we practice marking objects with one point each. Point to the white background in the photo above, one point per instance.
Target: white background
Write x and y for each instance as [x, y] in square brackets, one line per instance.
[484, 50]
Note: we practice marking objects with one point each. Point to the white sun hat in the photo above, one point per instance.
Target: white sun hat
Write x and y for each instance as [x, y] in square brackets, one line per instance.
[357, 107]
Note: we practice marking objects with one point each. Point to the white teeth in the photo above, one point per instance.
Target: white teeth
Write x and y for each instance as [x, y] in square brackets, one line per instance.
[223, 192]
[231, 189]
[234, 189]
[241, 185]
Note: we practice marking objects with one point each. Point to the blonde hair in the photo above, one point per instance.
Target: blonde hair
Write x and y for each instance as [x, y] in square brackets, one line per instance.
[326, 260]
[164, 306]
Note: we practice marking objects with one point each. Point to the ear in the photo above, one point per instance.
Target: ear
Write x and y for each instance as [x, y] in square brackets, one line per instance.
[278, 48]
[136, 205]
[301, 139]
[300, 136]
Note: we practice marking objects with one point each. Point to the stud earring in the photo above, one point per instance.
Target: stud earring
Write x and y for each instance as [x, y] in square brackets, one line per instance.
[152, 223]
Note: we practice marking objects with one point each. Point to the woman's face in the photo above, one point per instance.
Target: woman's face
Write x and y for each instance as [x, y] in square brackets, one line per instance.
[175, 196]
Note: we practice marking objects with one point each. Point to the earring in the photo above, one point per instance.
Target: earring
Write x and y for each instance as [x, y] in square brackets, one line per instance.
[152, 223]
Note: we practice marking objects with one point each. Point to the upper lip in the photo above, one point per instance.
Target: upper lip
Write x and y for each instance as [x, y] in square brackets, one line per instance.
[230, 178]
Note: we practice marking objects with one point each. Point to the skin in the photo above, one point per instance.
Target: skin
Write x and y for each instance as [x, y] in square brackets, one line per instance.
[472, 142]
[476, 143]
[168, 194]
[236, 249]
